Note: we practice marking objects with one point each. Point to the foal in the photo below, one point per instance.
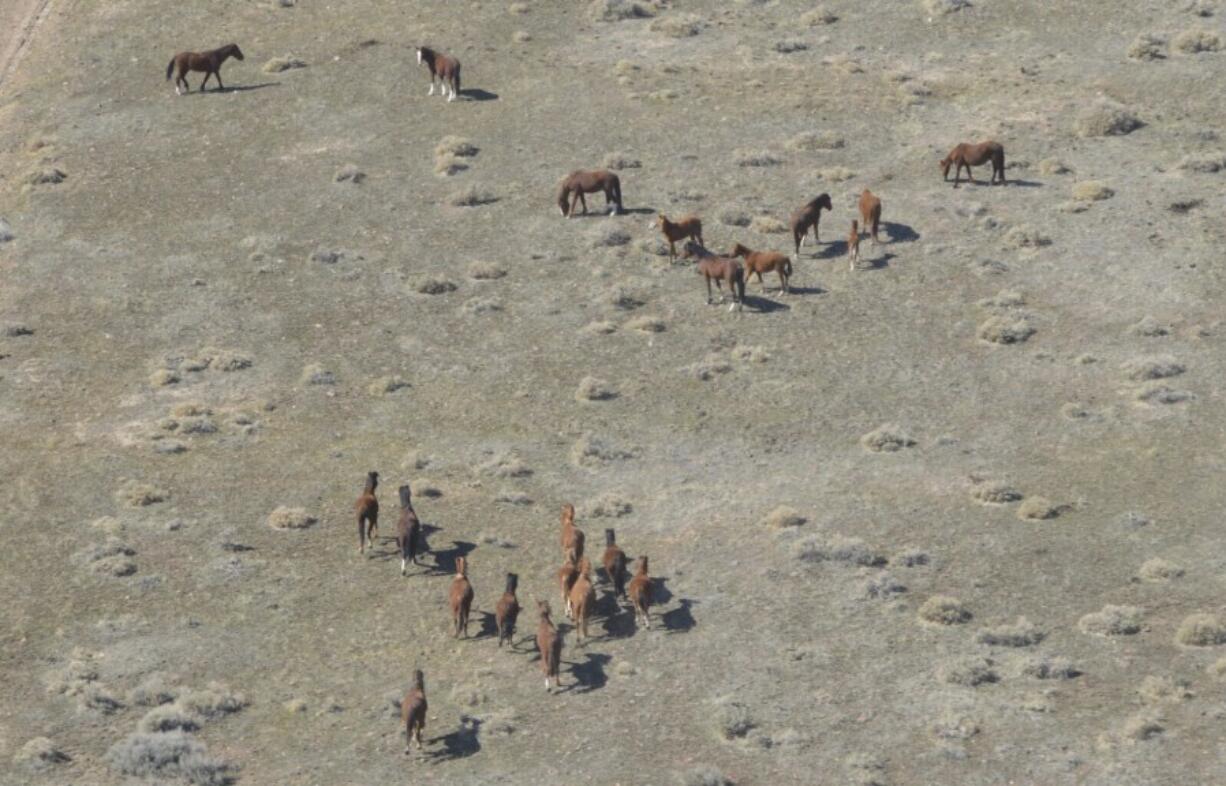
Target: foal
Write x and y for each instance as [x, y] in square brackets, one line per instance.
[614, 561]
[413, 711]
[688, 227]
[444, 68]
[640, 594]
[582, 599]
[759, 262]
[870, 212]
[968, 155]
[209, 62]
[853, 244]
[719, 269]
[368, 512]
[588, 181]
[549, 644]
[808, 216]
[408, 530]
[572, 536]
[461, 598]
[507, 611]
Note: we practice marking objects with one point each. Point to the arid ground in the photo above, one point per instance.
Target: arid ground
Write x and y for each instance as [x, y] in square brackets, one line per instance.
[952, 517]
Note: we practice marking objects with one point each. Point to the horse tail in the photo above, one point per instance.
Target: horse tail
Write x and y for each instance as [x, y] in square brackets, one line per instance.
[170, 68]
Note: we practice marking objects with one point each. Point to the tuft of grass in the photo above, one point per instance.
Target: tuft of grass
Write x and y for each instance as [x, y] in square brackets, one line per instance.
[886, 438]
[1112, 621]
[286, 63]
[1022, 633]
[1197, 40]
[944, 610]
[472, 196]
[1106, 119]
[1201, 630]
[287, 518]
[678, 25]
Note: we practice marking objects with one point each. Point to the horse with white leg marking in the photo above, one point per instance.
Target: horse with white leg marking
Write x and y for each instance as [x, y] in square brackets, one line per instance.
[968, 155]
[444, 68]
[853, 244]
[549, 644]
[408, 530]
[588, 181]
[808, 216]
[640, 594]
[719, 269]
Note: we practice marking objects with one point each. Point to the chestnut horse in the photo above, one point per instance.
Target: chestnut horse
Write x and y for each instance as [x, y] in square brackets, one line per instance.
[507, 611]
[808, 216]
[367, 508]
[588, 181]
[688, 227]
[719, 269]
[759, 262]
[549, 644]
[209, 62]
[870, 212]
[413, 711]
[968, 155]
[444, 68]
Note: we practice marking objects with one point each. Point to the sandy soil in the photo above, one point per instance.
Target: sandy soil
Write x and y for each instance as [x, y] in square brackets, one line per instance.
[951, 517]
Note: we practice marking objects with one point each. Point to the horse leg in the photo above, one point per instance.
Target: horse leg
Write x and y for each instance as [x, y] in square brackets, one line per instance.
[672, 251]
[217, 74]
[583, 201]
[708, 278]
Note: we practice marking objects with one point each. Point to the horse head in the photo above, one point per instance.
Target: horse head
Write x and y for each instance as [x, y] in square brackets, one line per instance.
[823, 200]
[236, 52]
[944, 165]
[739, 251]
[563, 194]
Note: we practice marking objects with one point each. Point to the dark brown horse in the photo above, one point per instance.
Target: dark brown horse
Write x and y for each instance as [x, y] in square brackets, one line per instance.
[687, 227]
[413, 711]
[759, 262]
[968, 155]
[719, 269]
[408, 530]
[367, 508]
[614, 561]
[808, 216]
[507, 611]
[444, 68]
[589, 181]
[209, 62]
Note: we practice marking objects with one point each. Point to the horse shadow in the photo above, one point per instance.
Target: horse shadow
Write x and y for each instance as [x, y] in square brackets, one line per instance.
[1024, 183]
[875, 263]
[899, 233]
[590, 674]
[619, 624]
[764, 305]
[237, 88]
[833, 249]
[445, 560]
[489, 626]
[660, 594]
[792, 290]
[680, 619]
[477, 94]
[459, 744]
[638, 211]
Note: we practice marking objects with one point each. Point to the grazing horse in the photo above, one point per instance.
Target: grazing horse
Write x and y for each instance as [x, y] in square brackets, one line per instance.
[689, 227]
[567, 575]
[582, 599]
[870, 212]
[209, 62]
[614, 561]
[968, 155]
[549, 644]
[572, 536]
[408, 530]
[413, 711]
[759, 262]
[367, 508]
[588, 181]
[719, 269]
[444, 68]
[461, 598]
[808, 216]
[640, 594]
[507, 611]
[853, 244]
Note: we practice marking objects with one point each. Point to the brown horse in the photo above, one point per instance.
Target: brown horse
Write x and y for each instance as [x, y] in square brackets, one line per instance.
[640, 594]
[444, 68]
[719, 269]
[968, 155]
[853, 244]
[549, 644]
[808, 216]
[413, 711]
[507, 611]
[759, 262]
[870, 212]
[688, 227]
[408, 529]
[567, 574]
[588, 181]
[367, 508]
[582, 599]
[572, 537]
[614, 561]
[460, 598]
[209, 62]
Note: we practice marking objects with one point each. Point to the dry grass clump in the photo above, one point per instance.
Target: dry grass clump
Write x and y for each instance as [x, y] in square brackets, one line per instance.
[1203, 163]
[809, 141]
[1149, 327]
[1197, 40]
[350, 173]
[135, 494]
[152, 692]
[818, 16]
[1143, 726]
[610, 237]
[1201, 630]
[512, 497]
[618, 10]
[386, 385]
[1112, 621]
[1106, 119]
[647, 324]
[1158, 393]
[678, 25]
[1046, 667]
[1144, 369]
[1002, 329]
[708, 368]
[837, 548]
[458, 146]
[594, 389]
[1025, 236]
[481, 305]
[214, 702]
[486, 271]
[995, 492]
[790, 45]
[967, 672]
[1005, 298]
[286, 63]
[768, 225]
[1091, 191]
[1158, 569]
[315, 374]
[284, 518]
[624, 299]
[45, 176]
[1022, 633]
[944, 610]
[1038, 509]
[731, 719]
[15, 330]
[620, 160]
[886, 438]
[783, 517]
[168, 755]
[608, 505]
[168, 717]
[472, 196]
[836, 174]
[1159, 690]
[504, 465]
[40, 754]
[1147, 46]
[1217, 669]
[755, 158]
[592, 451]
[942, 7]
[1053, 166]
[881, 586]
[449, 165]
[432, 284]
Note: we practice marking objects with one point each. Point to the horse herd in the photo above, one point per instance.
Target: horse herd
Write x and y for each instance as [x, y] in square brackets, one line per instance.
[574, 578]
[574, 582]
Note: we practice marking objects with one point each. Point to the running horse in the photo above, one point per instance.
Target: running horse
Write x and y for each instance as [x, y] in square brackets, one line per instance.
[209, 62]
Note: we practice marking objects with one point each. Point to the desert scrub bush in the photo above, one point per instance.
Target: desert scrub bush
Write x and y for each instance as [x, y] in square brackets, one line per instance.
[1047, 667]
[1147, 46]
[618, 10]
[1203, 163]
[486, 271]
[994, 492]
[836, 548]
[1022, 633]
[678, 25]
[818, 16]
[168, 717]
[449, 165]
[45, 176]
[782, 517]
[1038, 509]
[315, 374]
[1106, 119]
[349, 173]
[967, 672]
[1201, 630]
[472, 196]
[944, 610]
[768, 225]
[1144, 369]
[608, 505]
[40, 754]
[809, 141]
[886, 438]
[504, 465]
[592, 451]
[286, 518]
[1092, 191]
[213, 702]
[1001, 329]
[836, 174]
[285, 63]
[731, 719]
[168, 755]
[134, 494]
[610, 237]
[1160, 690]
[152, 692]
[1196, 40]
[1112, 621]
[619, 160]
[1157, 570]
[755, 158]
[594, 389]
[458, 146]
